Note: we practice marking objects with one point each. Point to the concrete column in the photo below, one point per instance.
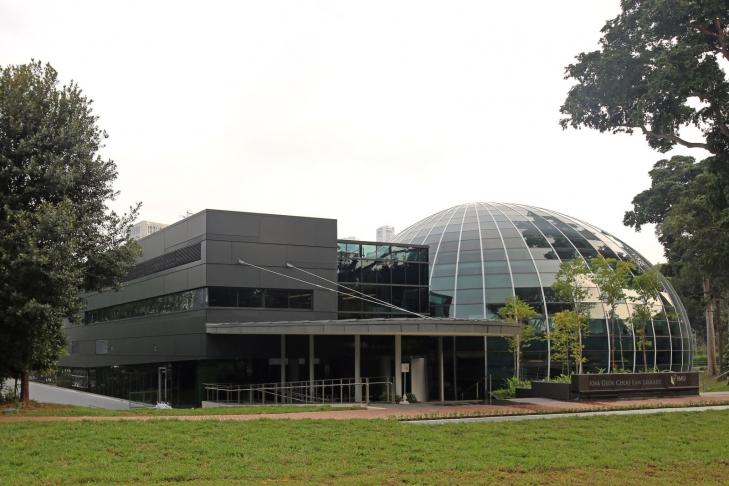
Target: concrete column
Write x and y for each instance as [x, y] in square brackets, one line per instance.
[441, 375]
[486, 397]
[357, 373]
[283, 358]
[398, 361]
[455, 375]
[311, 365]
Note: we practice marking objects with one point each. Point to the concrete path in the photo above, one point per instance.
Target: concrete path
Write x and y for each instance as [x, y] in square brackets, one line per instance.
[515, 418]
[66, 396]
[434, 413]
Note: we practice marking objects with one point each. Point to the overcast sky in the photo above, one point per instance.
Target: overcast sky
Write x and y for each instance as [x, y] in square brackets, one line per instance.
[368, 112]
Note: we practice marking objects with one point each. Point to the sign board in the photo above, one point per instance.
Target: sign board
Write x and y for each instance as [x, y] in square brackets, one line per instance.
[636, 383]
[405, 367]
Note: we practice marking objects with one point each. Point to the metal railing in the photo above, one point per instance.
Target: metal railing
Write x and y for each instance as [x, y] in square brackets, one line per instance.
[142, 399]
[340, 390]
[481, 383]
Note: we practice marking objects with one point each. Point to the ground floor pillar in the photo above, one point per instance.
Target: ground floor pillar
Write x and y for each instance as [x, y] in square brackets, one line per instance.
[398, 365]
[283, 359]
[357, 372]
[311, 365]
[486, 390]
[441, 377]
[455, 374]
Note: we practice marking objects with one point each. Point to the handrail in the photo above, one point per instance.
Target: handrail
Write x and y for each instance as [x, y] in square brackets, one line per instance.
[341, 390]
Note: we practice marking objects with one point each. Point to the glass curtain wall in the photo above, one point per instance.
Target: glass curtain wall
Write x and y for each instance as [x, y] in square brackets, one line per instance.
[396, 274]
[482, 253]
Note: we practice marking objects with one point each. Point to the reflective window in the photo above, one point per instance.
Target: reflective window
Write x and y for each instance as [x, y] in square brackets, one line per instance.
[195, 299]
[526, 280]
[442, 283]
[502, 280]
[254, 298]
[522, 266]
[276, 298]
[469, 311]
[470, 296]
[470, 281]
[369, 251]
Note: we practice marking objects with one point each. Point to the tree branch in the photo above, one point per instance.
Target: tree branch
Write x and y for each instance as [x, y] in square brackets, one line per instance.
[723, 128]
[673, 138]
[719, 35]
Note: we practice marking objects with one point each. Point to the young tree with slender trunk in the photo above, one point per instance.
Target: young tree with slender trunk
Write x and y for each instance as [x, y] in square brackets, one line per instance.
[570, 286]
[647, 287]
[611, 277]
[519, 312]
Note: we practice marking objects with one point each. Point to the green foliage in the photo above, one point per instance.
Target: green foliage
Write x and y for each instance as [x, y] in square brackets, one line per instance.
[688, 201]
[569, 327]
[57, 235]
[561, 379]
[519, 312]
[654, 60]
[570, 285]
[611, 277]
[659, 70]
[512, 383]
[647, 286]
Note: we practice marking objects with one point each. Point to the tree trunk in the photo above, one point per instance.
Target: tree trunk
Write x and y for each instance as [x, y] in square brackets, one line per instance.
[578, 368]
[710, 335]
[25, 387]
[517, 360]
[720, 332]
[645, 353]
[612, 344]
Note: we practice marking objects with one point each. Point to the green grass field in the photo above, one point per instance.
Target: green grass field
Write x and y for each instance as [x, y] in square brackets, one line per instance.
[676, 448]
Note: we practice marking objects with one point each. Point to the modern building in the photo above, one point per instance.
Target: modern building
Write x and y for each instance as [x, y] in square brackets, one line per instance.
[145, 228]
[482, 253]
[385, 233]
[243, 298]
[229, 297]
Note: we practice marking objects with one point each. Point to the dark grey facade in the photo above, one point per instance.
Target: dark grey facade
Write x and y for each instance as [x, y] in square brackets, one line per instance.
[176, 330]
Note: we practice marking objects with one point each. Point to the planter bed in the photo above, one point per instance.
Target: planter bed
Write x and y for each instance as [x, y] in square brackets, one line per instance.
[617, 385]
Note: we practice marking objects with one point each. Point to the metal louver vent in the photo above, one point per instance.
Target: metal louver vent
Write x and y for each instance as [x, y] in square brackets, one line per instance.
[172, 259]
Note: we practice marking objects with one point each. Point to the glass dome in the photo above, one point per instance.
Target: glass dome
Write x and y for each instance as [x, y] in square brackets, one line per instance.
[482, 253]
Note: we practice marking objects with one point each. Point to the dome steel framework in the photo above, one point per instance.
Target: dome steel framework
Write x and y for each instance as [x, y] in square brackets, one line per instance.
[482, 253]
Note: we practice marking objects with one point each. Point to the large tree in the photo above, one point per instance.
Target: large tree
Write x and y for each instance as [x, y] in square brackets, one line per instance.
[689, 204]
[660, 70]
[657, 71]
[58, 237]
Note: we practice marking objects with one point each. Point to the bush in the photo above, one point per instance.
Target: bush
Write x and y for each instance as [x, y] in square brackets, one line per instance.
[560, 379]
[7, 391]
[512, 384]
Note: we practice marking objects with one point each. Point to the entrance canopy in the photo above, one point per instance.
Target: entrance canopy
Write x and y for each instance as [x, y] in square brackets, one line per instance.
[380, 327]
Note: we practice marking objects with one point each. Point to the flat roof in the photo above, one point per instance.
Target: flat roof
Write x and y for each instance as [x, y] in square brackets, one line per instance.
[379, 327]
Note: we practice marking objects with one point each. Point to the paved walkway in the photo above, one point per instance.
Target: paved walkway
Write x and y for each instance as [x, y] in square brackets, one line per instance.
[42, 393]
[429, 410]
[516, 418]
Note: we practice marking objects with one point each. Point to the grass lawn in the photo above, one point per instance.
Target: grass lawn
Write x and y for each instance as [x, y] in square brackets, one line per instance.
[676, 448]
[710, 384]
[48, 409]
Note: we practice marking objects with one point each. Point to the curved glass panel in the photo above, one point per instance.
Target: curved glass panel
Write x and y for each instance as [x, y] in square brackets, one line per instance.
[482, 253]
